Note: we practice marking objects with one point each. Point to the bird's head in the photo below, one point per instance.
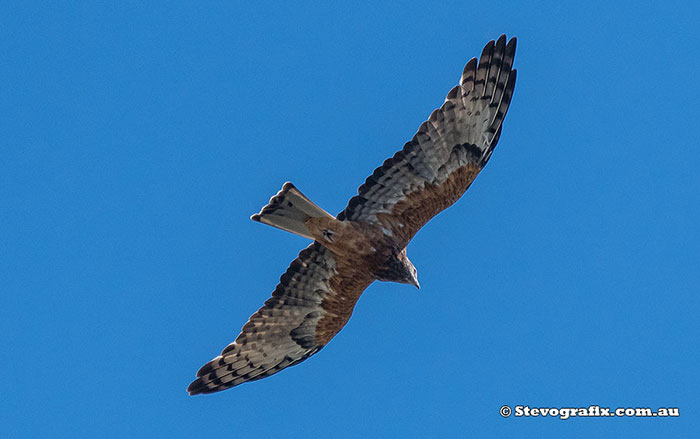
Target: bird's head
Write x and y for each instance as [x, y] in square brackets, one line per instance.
[399, 269]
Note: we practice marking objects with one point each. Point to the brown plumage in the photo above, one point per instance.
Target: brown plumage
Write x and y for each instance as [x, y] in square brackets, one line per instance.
[367, 241]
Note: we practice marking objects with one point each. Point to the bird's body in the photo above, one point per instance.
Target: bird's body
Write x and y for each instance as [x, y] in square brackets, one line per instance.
[365, 245]
[367, 241]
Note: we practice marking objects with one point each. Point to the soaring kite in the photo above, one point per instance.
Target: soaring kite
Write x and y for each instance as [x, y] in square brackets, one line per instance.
[367, 241]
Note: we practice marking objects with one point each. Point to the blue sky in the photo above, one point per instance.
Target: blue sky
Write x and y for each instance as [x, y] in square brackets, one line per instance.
[139, 137]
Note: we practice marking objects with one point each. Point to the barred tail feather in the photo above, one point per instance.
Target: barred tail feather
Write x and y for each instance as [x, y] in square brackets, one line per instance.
[289, 210]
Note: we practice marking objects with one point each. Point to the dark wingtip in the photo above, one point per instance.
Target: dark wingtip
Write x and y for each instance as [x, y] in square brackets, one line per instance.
[512, 44]
[287, 186]
[255, 217]
[195, 388]
[199, 387]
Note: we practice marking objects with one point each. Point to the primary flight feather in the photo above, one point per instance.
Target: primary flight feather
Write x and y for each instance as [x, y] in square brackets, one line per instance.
[367, 241]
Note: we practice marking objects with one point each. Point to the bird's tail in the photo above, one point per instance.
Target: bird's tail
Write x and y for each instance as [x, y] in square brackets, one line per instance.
[289, 210]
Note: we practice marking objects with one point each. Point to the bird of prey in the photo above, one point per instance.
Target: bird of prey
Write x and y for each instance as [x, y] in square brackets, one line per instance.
[367, 240]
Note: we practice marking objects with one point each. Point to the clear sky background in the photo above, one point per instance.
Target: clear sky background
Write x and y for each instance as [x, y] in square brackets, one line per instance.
[138, 137]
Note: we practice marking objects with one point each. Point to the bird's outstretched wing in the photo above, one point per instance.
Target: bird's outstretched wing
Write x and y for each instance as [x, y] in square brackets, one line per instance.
[311, 304]
[436, 167]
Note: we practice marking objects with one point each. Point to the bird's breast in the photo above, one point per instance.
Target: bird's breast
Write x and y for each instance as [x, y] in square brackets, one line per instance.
[360, 243]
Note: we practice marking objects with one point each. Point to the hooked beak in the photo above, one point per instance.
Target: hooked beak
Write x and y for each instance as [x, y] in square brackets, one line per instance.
[414, 282]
